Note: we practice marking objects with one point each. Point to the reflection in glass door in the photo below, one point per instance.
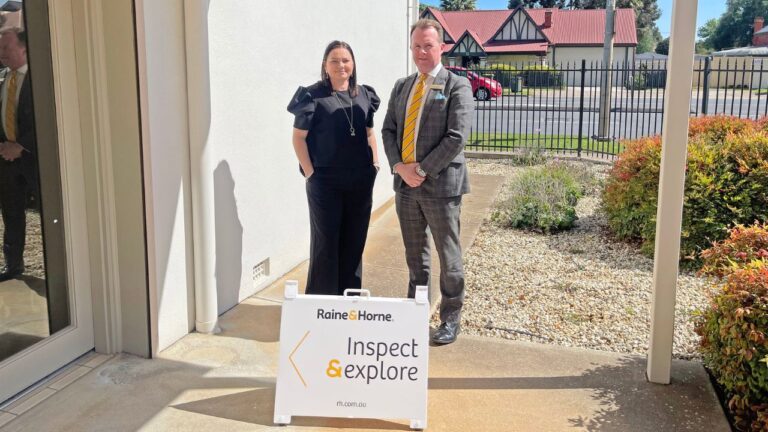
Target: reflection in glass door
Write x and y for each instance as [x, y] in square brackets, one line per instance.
[34, 296]
[26, 306]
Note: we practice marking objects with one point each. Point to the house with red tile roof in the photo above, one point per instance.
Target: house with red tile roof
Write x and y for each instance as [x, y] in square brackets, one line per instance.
[557, 36]
[760, 33]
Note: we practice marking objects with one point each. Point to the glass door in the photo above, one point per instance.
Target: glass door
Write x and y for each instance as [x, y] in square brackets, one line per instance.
[45, 313]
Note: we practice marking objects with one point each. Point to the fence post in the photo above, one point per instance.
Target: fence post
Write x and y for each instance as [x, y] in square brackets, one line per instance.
[581, 106]
[705, 96]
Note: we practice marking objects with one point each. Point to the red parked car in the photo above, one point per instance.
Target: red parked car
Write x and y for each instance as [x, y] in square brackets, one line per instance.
[483, 88]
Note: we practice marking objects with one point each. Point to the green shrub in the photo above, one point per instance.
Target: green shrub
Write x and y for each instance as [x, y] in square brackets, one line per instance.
[733, 341]
[629, 196]
[542, 198]
[502, 67]
[541, 76]
[528, 157]
[635, 82]
[507, 75]
[744, 246]
[540, 68]
[643, 79]
[726, 184]
[717, 128]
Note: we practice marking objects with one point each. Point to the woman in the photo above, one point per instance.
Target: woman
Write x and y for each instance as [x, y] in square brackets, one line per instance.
[336, 148]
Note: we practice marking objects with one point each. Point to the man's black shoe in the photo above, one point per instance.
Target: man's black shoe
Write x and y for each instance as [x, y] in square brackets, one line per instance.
[446, 333]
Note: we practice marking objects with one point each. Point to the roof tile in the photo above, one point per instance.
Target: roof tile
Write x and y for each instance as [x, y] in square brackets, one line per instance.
[569, 27]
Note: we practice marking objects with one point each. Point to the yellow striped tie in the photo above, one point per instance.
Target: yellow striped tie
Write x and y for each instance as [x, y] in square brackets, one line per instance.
[409, 133]
[10, 109]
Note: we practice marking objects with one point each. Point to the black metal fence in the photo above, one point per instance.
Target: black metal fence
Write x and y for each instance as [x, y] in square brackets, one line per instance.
[557, 109]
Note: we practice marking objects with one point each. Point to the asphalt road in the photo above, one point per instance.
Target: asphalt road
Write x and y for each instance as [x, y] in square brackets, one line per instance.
[633, 114]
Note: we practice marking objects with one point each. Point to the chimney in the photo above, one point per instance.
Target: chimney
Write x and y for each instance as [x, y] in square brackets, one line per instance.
[10, 21]
[757, 26]
[547, 19]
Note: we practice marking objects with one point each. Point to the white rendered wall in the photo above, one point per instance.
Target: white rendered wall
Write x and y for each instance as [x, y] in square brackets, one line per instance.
[259, 53]
[573, 55]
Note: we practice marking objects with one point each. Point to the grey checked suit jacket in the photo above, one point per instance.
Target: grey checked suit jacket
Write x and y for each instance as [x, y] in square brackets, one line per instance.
[444, 127]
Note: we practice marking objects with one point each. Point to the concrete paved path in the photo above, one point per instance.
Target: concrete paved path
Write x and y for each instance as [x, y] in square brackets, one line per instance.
[226, 382]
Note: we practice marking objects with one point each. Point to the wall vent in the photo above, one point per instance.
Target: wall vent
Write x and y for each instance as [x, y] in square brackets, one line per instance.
[260, 271]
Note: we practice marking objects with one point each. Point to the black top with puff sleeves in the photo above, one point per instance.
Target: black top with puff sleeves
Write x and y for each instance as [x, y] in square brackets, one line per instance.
[327, 118]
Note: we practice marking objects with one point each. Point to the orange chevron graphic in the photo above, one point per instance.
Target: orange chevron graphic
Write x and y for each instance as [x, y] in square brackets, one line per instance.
[290, 358]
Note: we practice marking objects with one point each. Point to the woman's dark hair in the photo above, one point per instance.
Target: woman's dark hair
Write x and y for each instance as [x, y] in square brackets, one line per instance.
[352, 78]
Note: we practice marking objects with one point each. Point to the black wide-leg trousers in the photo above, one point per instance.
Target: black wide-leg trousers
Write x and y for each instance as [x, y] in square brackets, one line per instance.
[340, 201]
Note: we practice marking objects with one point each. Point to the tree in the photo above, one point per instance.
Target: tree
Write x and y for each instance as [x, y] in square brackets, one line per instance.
[457, 5]
[422, 7]
[708, 29]
[585, 4]
[530, 4]
[645, 42]
[663, 47]
[705, 33]
[702, 49]
[734, 28]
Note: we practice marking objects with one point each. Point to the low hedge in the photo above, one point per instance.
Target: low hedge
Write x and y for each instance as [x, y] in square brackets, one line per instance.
[541, 76]
[646, 79]
[733, 328]
[743, 246]
[726, 184]
[502, 67]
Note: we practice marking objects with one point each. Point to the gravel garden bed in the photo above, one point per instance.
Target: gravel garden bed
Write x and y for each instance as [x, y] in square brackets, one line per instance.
[575, 288]
[34, 260]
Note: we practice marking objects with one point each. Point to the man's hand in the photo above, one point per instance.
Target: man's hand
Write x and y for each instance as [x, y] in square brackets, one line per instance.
[407, 171]
[10, 151]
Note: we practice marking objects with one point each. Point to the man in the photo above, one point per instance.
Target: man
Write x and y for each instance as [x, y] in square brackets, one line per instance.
[424, 132]
[18, 149]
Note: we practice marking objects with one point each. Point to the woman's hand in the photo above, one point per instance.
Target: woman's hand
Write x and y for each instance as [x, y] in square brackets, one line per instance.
[302, 152]
[374, 148]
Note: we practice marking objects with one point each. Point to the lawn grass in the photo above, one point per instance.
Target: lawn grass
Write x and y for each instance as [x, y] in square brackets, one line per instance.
[510, 141]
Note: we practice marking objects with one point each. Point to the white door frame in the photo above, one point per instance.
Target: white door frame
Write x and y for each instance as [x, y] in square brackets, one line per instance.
[39, 360]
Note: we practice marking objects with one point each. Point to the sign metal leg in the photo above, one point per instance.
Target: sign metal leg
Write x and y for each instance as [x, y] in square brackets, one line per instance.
[282, 420]
[418, 424]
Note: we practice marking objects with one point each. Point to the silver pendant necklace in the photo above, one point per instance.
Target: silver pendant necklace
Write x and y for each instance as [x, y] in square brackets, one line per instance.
[351, 116]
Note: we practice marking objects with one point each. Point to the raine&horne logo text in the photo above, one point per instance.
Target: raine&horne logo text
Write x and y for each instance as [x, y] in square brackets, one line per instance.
[352, 315]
